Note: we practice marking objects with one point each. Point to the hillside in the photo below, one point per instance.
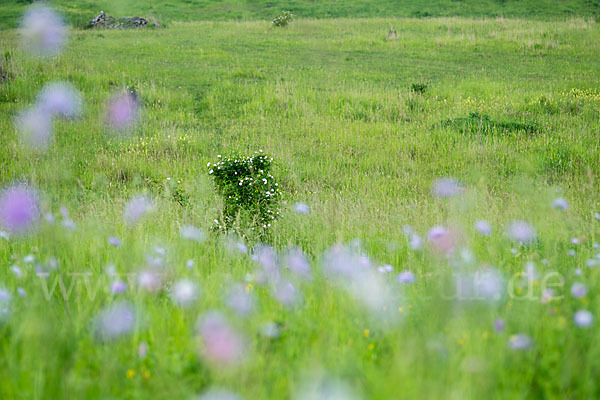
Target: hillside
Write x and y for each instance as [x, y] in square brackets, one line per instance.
[196, 10]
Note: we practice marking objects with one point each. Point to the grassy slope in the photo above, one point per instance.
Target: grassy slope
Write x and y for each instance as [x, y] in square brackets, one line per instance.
[330, 101]
[82, 11]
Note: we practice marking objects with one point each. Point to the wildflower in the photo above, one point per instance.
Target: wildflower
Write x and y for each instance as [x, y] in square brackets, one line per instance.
[60, 99]
[285, 292]
[149, 280]
[221, 344]
[520, 342]
[16, 270]
[483, 227]
[488, 284]
[499, 325]
[19, 209]
[301, 208]
[21, 292]
[115, 321]
[560, 204]
[118, 287]
[192, 233]
[4, 235]
[415, 242]
[270, 330]
[240, 300]
[43, 31]
[583, 318]
[590, 263]
[142, 350]
[122, 111]
[136, 208]
[190, 264]
[441, 239]
[521, 231]
[446, 187]
[297, 263]
[185, 293]
[406, 277]
[115, 241]
[130, 373]
[578, 290]
[384, 269]
[367, 332]
[5, 299]
[35, 129]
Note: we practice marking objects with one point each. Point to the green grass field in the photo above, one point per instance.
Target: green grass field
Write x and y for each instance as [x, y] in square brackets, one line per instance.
[331, 101]
[81, 11]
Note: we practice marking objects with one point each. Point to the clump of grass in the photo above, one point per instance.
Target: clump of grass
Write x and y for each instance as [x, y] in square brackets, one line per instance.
[477, 123]
[248, 189]
[283, 19]
[418, 87]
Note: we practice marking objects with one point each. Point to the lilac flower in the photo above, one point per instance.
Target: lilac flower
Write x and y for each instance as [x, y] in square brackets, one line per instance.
[297, 263]
[597, 216]
[301, 208]
[583, 318]
[578, 290]
[29, 259]
[122, 111]
[149, 280]
[16, 270]
[136, 208]
[415, 242]
[560, 203]
[385, 269]
[142, 350]
[68, 224]
[240, 300]
[406, 277]
[483, 227]
[192, 233]
[19, 209]
[221, 344]
[578, 272]
[520, 342]
[60, 99]
[441, 239]
[4, 235]
[35, 129]
[285, 292]
[488, 284]
[116, 320]
[185, 293]
[499, 325]
[190, 263]
[446, 187]
[5, 299]
[547, 295]
[115, 241]
[43, 31]
[21, 292]
[571, 253]
[118, 287]
[521, 231]
[267, 258]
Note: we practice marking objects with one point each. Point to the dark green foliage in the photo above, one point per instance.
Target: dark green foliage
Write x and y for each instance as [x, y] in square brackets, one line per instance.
[247, 188]
[476, 123]
[418, 87]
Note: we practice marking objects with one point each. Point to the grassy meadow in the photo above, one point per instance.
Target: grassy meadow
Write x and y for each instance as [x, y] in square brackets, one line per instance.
[361, 123]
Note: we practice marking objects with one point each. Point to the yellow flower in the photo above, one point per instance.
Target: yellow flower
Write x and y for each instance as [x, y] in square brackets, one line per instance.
[130, 373]
[400, 309]
[371, 346]
[367, 332]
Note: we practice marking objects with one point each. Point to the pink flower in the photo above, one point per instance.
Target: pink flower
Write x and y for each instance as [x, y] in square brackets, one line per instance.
[221, 344]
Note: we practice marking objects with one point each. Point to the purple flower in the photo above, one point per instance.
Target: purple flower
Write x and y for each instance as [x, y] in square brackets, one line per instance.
[240, 300]
[149, 280]
[185, 293]
[446, 187]
[483, 227]
[136, 208]
[560, 203]
[115, 321]
[60, 99]
[521, 231]
[115, 241]
[221, 344]
[35, 129]
[583, 318]
[441, 239]
[192, 233]
[499, 325]
[298, 264]
[19, 209]
[301, 208]
[43, 30]
[406, 277]
[122, 111]
[142, 350]
[578, 290]
[118, 287]
[520, 342]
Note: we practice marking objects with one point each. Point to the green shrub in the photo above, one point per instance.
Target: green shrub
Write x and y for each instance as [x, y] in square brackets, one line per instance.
[477, 123]
[283, 19]
[247, 188]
